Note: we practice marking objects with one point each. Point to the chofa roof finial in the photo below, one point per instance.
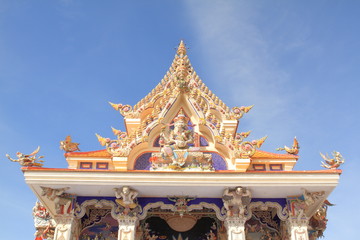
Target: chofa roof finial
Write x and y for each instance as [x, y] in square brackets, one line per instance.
[181, 48]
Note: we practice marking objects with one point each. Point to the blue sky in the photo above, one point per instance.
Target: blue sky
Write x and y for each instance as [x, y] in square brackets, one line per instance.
[62, 61]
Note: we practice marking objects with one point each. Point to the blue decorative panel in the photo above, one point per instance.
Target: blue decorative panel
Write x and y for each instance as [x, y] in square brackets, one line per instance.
[156, 142]
[218, 162]
[203, 142]
[142, 162]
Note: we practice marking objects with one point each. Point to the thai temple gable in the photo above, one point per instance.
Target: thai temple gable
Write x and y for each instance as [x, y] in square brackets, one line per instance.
[210, 120]
[179, 170]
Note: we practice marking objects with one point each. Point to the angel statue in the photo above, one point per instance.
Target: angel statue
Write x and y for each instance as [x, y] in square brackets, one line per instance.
[126, 200]
[236, 200]
[28, 160]
[126, 196]
[68, 146]
[332, 163]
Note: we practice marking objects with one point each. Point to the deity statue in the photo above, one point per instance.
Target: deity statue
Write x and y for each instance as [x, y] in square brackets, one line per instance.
[45, 233]
[40, 214]
[236, 200]
[43, 222]
[177, 152]
[27, 160]
[176, 142]
[181, 202]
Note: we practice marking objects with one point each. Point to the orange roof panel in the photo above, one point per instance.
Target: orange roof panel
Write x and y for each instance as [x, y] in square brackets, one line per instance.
[98, 153]
[268, 155]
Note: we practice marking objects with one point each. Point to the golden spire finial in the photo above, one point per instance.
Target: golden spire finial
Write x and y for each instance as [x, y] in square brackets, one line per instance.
[181, 49]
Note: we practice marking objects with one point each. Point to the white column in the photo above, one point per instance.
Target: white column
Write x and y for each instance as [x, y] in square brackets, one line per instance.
[66, 228]
[297, 228]
[235, 227]
[127, 227]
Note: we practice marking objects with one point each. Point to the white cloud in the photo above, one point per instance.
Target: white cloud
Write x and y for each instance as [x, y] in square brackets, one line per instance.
[241, 59]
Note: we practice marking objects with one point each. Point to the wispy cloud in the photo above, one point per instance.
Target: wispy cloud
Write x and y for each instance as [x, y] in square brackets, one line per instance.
[240, 58]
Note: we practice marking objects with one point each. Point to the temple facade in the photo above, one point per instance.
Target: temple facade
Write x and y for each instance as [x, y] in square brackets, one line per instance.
[180, 170]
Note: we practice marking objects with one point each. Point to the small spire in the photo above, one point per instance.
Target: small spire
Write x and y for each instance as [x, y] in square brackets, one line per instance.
[181, 49]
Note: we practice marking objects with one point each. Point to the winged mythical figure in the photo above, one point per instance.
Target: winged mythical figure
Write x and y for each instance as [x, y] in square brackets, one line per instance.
[68, 146]
[28, 160]
[293, 150]
[332, 163]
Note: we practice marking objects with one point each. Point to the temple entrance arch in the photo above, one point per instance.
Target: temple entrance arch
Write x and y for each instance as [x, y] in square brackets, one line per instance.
[188, 218]
[97, 220]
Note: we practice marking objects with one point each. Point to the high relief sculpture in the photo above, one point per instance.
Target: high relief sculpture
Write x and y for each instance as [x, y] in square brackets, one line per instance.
[58, 196]
[126, 200]
[236, 200]
[176, 151]
[43, 222]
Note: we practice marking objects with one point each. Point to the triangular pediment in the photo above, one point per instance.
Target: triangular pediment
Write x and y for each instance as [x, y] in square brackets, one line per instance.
[213, 122]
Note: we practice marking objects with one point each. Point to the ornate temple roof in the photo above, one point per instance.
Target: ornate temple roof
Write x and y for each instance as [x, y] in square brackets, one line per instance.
[213, 123]
[180, 138]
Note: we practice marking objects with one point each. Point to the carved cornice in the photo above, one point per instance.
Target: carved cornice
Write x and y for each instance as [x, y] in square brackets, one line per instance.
[80, 210]
[190, 208]
[281, 212]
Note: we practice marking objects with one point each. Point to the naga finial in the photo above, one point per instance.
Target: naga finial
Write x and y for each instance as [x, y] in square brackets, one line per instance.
[27, 160]
[238, 112]
[181, 48]
[293, 150]
[332, 163]
[68, 146]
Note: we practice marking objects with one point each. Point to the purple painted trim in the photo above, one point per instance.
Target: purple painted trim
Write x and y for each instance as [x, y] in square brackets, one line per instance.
[276, 165]
[203, 142]
[100, 163]
[142, 162]
[259, 165]
[82, 163]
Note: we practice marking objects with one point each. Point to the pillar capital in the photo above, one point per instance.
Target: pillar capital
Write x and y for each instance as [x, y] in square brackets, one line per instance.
[127, 227]
[67, 227]
[298, 228]
[235, 227]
